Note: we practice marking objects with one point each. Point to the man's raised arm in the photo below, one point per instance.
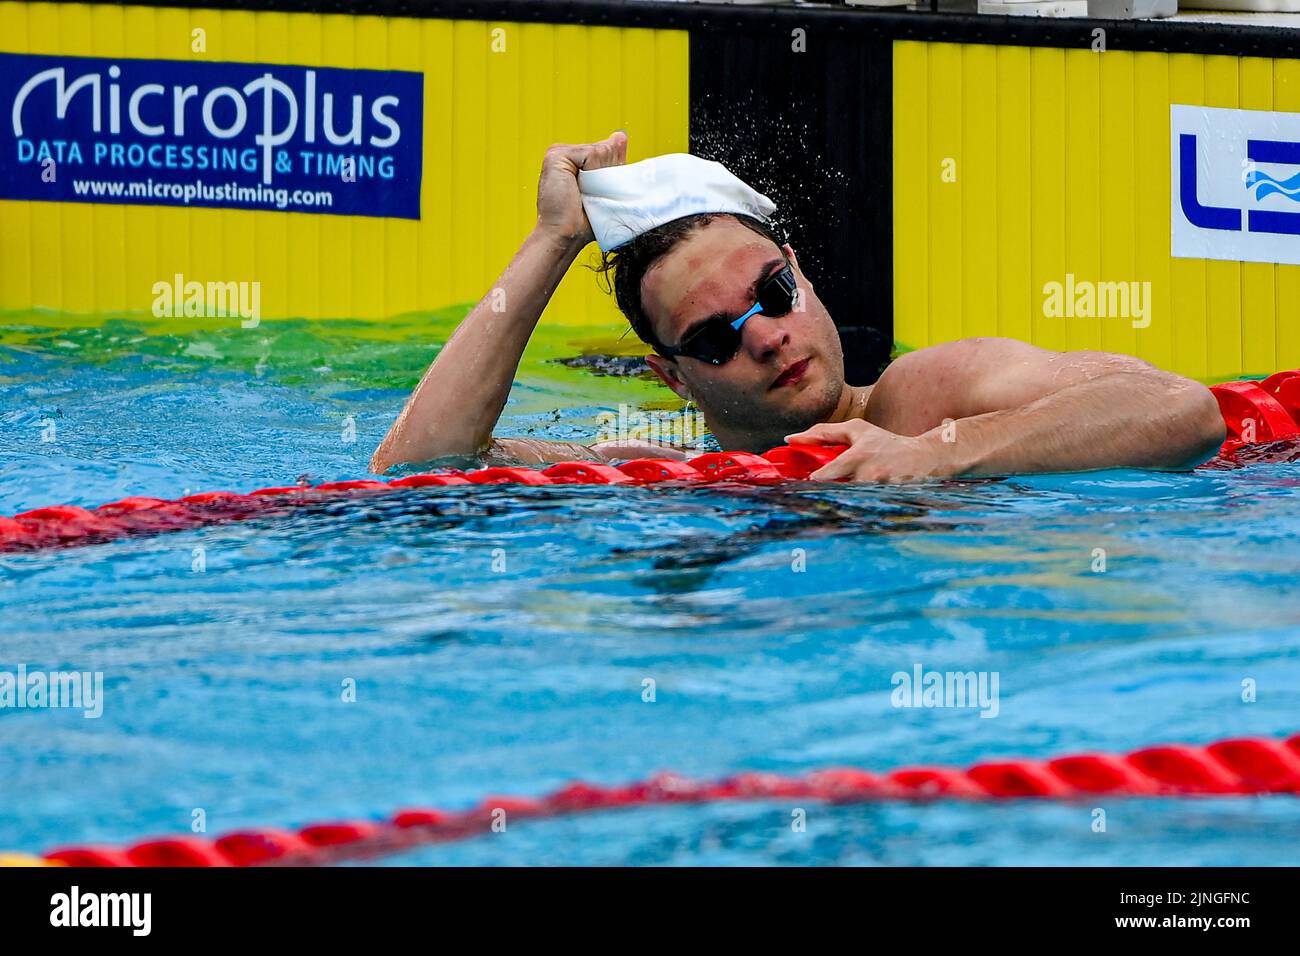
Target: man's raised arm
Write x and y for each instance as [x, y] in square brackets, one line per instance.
[456, 405]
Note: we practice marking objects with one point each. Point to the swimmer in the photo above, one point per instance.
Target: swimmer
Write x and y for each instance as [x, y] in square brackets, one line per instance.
[976, 406]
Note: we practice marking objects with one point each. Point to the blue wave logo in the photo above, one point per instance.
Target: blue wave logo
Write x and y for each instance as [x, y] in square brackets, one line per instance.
[1267, 185]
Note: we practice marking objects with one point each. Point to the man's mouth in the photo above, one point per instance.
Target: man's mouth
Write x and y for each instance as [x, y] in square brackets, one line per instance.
[792, 374]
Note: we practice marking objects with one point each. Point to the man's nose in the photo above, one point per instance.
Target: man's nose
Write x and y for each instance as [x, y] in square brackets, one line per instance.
[765, 336]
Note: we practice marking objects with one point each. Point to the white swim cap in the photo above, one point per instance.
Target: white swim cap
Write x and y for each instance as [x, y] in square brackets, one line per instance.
[622, 202]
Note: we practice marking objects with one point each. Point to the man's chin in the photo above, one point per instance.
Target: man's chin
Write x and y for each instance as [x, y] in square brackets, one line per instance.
[814, 404]
[781, 425]
[769, 421]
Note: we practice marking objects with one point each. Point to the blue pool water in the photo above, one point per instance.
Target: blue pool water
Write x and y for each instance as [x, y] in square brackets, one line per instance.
[223, 687]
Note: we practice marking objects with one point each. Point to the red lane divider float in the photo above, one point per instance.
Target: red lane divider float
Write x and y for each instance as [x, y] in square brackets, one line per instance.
[1242, 767]
[64, 525]
[1255, 413]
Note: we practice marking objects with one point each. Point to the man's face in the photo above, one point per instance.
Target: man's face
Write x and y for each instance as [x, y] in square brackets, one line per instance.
[789, 372]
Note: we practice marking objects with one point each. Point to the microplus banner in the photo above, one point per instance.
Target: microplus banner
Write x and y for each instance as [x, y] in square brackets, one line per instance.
[231, 135]
[1236, 184]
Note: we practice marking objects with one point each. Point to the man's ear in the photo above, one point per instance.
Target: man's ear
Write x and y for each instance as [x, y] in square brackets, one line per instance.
[667, 370]
[789, 251]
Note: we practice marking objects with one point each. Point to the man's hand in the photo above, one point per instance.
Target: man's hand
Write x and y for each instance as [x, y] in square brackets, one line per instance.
[874, 454]
[559, 203]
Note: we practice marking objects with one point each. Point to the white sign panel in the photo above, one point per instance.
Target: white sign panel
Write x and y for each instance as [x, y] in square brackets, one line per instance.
[1236, 184]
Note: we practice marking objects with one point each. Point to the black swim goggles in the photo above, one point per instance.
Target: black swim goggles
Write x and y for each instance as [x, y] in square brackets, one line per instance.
[717, 339]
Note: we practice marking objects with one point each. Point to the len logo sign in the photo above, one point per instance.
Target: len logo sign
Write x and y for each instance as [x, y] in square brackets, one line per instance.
[1236, 184]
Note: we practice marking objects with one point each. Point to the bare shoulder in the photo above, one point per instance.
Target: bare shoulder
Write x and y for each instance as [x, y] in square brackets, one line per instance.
[971, 376]
[963, 353]
[980, 358]
[922, 387]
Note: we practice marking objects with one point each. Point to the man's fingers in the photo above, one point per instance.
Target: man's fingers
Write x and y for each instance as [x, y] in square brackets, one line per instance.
[833, 470]
[558, 152]
[610, 151]
[823, 433]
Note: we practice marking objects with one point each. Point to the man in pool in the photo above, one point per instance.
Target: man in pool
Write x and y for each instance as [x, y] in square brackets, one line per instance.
[978, 406]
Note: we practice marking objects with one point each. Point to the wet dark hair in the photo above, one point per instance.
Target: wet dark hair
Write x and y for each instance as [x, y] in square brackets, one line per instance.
[630, 262]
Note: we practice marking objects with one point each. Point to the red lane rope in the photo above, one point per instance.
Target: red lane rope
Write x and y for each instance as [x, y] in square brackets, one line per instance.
[1240, 767]
[65, 525]
[1255, 413]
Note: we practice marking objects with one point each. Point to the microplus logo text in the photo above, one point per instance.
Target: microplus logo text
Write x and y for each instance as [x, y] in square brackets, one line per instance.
[236, 135]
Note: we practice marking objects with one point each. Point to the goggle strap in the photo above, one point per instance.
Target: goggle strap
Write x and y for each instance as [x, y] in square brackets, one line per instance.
[754, 310]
